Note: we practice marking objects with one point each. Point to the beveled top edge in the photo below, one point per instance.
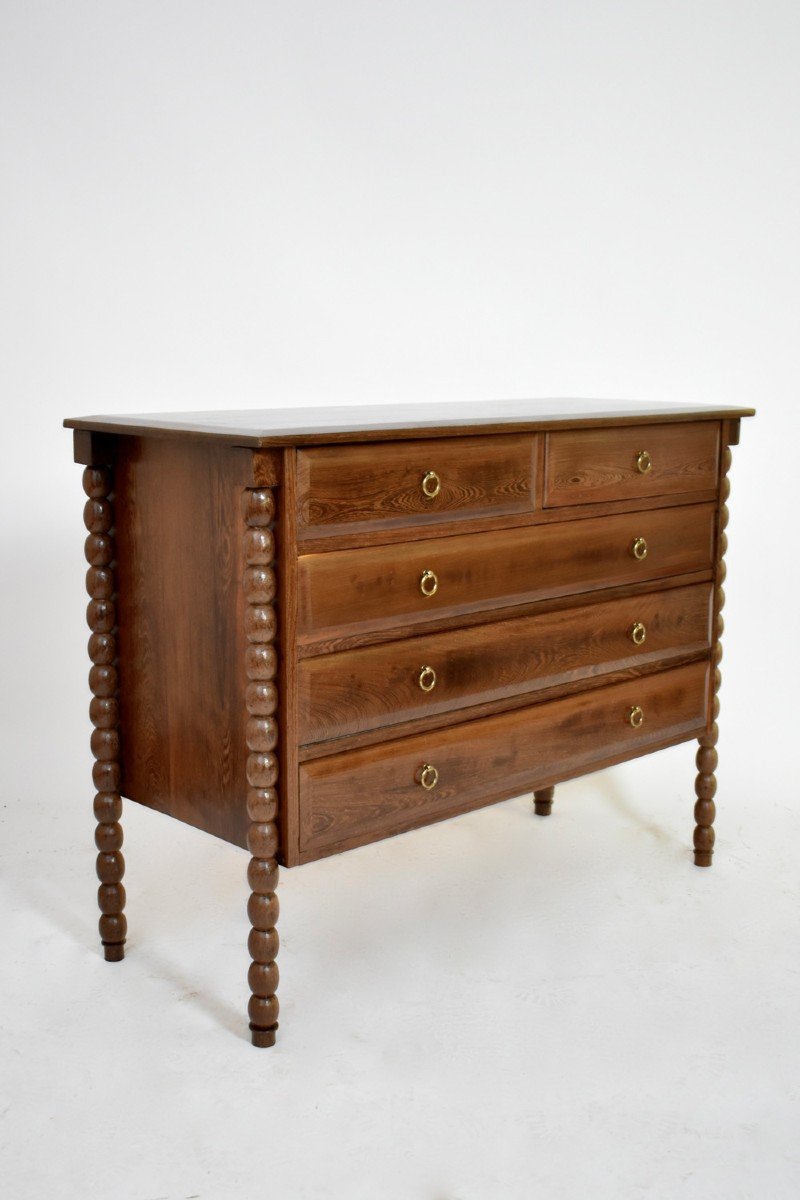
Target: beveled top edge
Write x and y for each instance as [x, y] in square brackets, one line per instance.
[375, 422]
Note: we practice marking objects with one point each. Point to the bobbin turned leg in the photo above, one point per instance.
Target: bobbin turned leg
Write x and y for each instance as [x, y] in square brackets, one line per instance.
[262, 763]
[704, 810]
[705, 785]
[104, 708]
[543, 801]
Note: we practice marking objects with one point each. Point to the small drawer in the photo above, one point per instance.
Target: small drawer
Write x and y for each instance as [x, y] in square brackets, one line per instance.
[589, 466]
[352, 489]
[363, 795]
[344, 592]
[357, 690]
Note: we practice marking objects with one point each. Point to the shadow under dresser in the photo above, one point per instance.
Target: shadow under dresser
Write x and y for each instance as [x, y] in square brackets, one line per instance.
[315, 628]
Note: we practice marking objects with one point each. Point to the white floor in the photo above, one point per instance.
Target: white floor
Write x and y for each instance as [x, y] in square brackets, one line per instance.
[500, 1006]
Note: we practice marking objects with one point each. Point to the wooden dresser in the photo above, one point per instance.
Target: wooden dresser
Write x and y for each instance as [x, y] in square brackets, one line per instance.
[312, 629]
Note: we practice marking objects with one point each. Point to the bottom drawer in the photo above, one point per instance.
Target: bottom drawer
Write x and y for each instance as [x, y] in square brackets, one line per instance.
[363, 795]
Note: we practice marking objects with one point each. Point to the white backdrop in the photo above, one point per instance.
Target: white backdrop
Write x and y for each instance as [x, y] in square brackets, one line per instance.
[244, 204]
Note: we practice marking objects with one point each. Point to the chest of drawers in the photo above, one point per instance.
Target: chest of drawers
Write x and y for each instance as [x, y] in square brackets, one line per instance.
[314, 629]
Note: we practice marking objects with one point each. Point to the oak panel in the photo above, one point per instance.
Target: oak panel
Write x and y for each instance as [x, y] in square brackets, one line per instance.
[181, 641]
[586, 466]
[375, 792]
[357, 690]
[379, 587]
[361, 487]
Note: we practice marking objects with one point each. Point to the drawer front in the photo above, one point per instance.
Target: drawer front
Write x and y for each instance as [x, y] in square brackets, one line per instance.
[587, 466]
[346, 489]
[357, 690]
[363, 795]
[410, 583]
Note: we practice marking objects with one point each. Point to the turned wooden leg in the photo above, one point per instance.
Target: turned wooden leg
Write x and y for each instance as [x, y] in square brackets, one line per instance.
[262, 763]
[98, 517]
[543, 801]
[705, 784]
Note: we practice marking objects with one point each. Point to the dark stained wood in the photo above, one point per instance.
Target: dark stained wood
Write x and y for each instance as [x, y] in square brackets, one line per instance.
[349, 692]
[376, 588]
[266, 467]
[93, 449]
[368, 794]
[706, 783]
[379, 486]
[543, 801]
[372, 737]
[589, 465]
[262, 769]
[262, 649]
[98, 516]
[181, 645]
[538, 516]
[285, 536]
[371, 423]
[352, 639]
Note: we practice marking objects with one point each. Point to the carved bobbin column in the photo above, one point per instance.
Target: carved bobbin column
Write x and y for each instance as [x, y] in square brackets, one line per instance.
[260, 623]
[98, 517]
[705, 785]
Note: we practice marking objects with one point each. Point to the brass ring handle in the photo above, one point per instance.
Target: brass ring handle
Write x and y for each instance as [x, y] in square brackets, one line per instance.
[431, 485]
[639, 548]
[427, 679]
[428, 583]
[638, 633]
[635, 716]
[644, 462]
[428, 776]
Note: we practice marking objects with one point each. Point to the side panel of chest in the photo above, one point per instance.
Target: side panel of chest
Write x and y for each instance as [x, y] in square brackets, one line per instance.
[182, 718]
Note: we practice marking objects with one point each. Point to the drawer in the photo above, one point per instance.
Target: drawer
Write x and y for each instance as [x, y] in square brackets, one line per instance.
[363, 795]
[347, 489]
[410, 583]
[631, 462]
[357, 690]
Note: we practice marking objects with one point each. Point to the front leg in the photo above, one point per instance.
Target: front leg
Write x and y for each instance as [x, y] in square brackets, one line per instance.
[98, 517]
[260, 623]
[705, 784]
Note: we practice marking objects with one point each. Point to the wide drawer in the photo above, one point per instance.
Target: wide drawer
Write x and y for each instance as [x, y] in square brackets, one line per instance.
[346, 489]
[366, 794]
[357, 690]
[586, 466]
[407, 584]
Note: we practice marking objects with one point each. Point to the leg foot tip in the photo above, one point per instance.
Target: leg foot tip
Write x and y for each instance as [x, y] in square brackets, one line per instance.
[263, 1037]
[702, 858]
[114, 951]
[543, 808]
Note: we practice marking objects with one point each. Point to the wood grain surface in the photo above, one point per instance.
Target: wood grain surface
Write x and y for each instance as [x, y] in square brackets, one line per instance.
[355, 690]
[363, 795]
[342, 488]
[590, 465]
[381, 586]
[181, 641]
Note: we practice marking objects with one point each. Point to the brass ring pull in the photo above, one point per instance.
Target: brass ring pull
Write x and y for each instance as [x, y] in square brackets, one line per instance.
[635, 716]
[428, 584]
[431, 485]
[638, 634]
[427, 679]
[428, 776]
[644, 462]
[639, 548]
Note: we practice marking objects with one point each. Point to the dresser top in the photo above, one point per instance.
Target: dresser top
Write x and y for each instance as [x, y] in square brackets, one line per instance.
[377, 422]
